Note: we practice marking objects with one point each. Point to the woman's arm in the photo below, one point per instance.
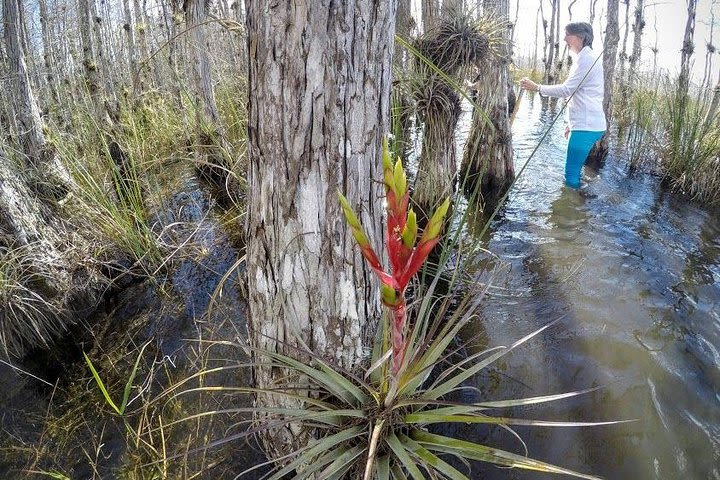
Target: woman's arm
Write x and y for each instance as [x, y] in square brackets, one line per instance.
[565, 89]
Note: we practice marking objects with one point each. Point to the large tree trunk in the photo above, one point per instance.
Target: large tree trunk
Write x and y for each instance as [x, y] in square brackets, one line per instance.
[318, 111]
[404, 26]
[42, 157]
[488, 160]
[437, 166]
[612, 37]
[687, 49]
[48, 283]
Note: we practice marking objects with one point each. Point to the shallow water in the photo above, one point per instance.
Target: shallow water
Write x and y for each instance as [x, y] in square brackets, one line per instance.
[634, 272]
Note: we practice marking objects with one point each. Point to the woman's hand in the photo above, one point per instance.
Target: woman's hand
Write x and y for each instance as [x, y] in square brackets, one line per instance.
[567, 131]
[529, 85]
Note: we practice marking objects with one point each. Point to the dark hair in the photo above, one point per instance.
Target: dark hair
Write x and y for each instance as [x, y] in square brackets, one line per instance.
[583, 30]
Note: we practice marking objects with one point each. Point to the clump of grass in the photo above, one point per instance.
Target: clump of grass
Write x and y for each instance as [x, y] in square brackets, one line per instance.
[26, 318]
[691, 148]
[118, 174]
[668, 133]
[642, 127]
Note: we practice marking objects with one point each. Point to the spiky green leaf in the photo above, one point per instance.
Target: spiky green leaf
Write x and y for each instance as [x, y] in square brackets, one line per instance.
[399, 180]
[431, 459]
[382, 468]
[483, 453]
[316, 449]
[101, 385]
[403, 457]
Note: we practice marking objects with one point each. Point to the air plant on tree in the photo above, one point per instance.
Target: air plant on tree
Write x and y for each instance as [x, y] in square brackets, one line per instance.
[406, 257]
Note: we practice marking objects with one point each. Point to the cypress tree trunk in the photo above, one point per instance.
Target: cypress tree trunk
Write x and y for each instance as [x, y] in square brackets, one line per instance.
[41, 156]
[129, 27]
[487, 166]
[90, 65]
[551, 43]
[318, 112]
[612, 36]
[45, 283]
[48, 55]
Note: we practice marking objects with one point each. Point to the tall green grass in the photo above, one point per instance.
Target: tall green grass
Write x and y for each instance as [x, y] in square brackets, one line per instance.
[667, 133]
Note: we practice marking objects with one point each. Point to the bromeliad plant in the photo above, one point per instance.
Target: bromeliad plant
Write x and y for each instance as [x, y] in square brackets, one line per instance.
[405, 256]
[375, 426]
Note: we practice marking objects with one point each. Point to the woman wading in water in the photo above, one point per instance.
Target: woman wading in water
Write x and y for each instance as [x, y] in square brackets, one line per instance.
[585, 83]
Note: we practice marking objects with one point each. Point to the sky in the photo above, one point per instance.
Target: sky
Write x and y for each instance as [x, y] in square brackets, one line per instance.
[667, 16]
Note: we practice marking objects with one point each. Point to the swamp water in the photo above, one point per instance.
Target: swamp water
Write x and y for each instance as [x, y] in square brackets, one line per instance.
[634, 272]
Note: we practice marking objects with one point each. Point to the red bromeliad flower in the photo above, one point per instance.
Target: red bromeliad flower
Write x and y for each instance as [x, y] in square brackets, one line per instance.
[405, 256]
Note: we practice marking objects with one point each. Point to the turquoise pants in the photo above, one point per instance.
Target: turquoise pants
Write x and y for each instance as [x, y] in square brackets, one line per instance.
[581, 141]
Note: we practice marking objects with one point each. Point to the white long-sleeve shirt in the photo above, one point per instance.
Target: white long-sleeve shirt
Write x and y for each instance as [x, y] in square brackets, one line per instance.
[585, 108]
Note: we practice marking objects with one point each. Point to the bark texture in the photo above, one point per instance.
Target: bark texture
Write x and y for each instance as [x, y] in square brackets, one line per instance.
[30, 123]
[129, 27]
[319, 90]
[612, 37]
[487, 166]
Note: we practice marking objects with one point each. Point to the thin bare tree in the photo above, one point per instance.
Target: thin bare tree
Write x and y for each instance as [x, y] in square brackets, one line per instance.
[622, 58]
[612, 37]
[591, 17]
[129, 27]
[31, 128]
[710, 50]
[565, 55]
[638, 26]
[688, 47]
